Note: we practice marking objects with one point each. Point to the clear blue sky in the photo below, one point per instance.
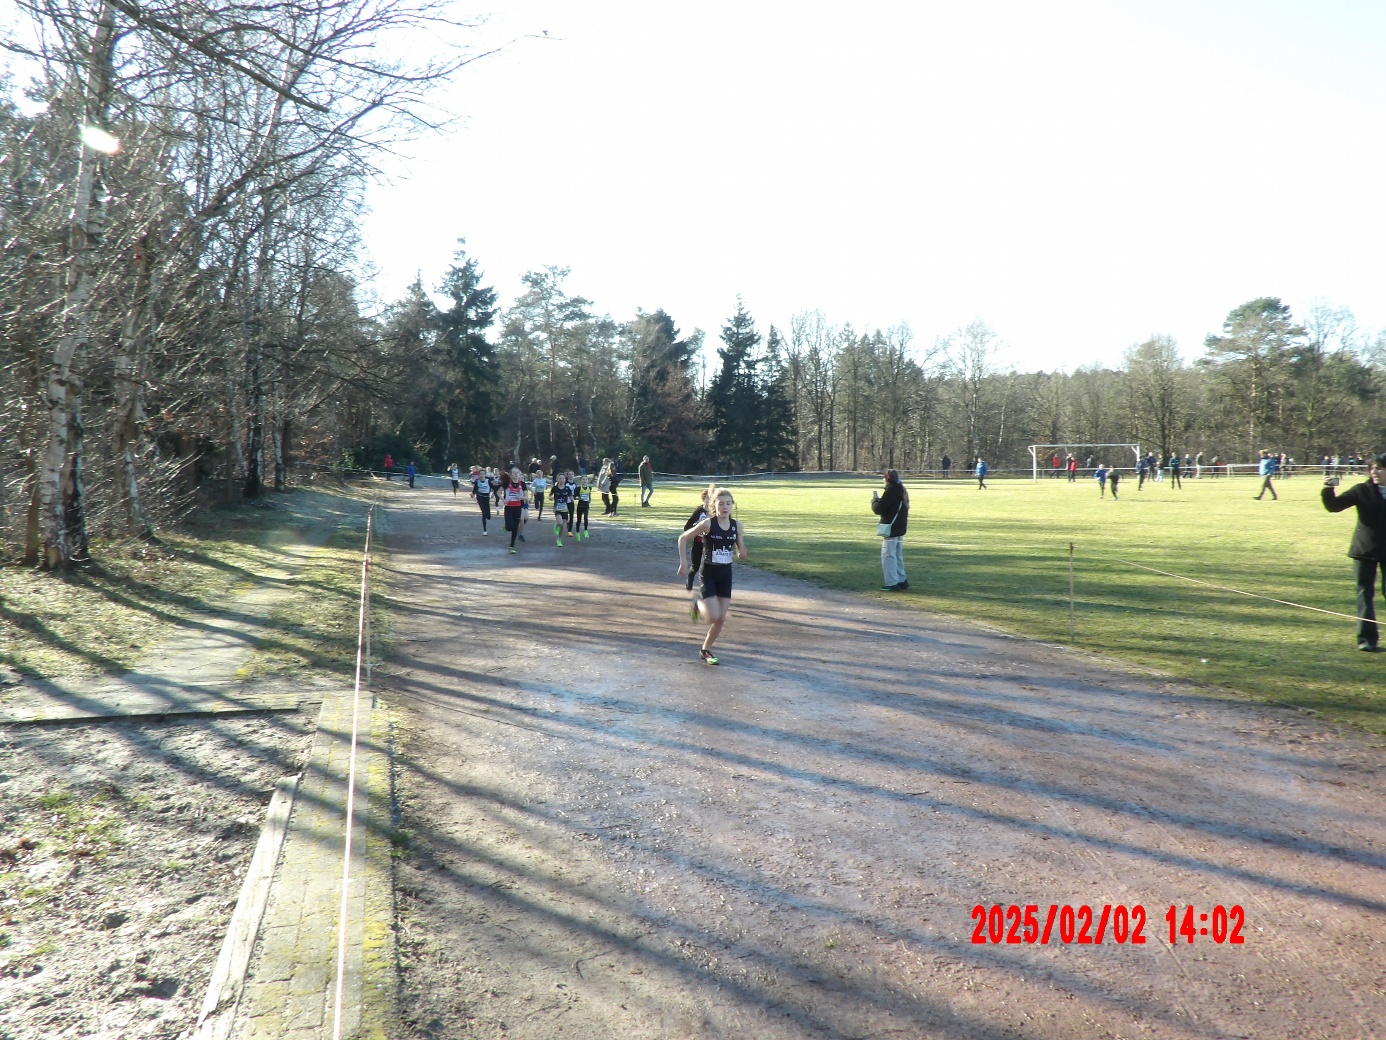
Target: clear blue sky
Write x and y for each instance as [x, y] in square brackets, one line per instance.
[1080, 174]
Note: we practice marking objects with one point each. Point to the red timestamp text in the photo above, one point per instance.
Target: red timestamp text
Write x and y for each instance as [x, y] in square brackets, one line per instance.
[1083, 925]
[1222, 924]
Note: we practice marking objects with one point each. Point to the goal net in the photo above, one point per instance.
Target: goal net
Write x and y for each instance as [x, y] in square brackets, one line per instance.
[1042, 456]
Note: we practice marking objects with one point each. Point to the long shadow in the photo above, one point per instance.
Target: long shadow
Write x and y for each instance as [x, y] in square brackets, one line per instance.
[816, 748]
[787, 966]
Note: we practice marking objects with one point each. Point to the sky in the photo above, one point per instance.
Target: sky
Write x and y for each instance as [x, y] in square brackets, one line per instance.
[1078, 174]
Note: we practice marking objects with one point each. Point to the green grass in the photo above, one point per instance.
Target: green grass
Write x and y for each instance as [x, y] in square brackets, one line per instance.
[108, 615]
[1001, 556]
[316, 626]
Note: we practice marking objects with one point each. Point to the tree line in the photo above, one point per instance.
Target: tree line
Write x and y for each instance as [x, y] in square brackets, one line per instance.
[182, 186]
[181, 317]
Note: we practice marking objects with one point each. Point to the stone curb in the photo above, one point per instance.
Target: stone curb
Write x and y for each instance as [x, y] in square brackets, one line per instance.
[290, 988]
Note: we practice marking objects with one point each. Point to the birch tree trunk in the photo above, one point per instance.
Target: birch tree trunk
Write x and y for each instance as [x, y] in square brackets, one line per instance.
[131, 363]
[61, 508]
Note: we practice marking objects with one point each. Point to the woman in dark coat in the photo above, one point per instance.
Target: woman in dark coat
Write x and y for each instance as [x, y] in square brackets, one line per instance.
[1368, 548]
[893, 508]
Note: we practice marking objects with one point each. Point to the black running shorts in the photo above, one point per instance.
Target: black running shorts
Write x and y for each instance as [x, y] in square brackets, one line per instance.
[717, 580]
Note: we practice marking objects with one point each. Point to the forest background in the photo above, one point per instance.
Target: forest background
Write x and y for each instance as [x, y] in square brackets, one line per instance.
[181, 319]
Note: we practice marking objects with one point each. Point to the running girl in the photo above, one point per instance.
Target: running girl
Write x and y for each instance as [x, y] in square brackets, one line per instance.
[481, 491]
[699, 513]
[584, 506]
[514, 496]
[562, 503]
[539, 485]
[724, 538]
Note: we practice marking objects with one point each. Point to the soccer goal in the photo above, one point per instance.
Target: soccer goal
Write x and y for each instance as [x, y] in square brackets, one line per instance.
[1042, 456]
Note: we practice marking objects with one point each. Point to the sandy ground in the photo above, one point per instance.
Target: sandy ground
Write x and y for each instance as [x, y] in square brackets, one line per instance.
[612, 839]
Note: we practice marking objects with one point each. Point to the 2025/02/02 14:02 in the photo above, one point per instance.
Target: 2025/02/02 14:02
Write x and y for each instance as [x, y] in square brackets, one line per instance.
[1086, 925]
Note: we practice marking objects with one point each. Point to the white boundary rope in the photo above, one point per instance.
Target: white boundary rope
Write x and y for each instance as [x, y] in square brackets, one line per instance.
[1238, 592]
[351, 779]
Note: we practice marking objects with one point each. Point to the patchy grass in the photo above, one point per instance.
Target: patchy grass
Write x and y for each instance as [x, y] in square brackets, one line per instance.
[316, 627]
[1001, 556]
[104, 617]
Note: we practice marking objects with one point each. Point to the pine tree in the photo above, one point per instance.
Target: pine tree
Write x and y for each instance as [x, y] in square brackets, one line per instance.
[734, 396]
[665, 416]
[469, 370]
[777, 434]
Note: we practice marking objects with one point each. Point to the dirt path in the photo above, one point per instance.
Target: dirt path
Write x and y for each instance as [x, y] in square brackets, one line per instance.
[611, 839]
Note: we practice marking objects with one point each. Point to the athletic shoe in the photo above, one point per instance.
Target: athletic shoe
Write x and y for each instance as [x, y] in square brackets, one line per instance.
[522, 538]
[513, 549]
[708, 658]
[560, 543]
[484, 531]
[1366, 647]
[889, 588]
[693, 612]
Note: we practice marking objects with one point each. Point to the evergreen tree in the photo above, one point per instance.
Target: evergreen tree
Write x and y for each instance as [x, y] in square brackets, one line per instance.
[734, 396]
[665, 416]
[777, 435]
[469, 371]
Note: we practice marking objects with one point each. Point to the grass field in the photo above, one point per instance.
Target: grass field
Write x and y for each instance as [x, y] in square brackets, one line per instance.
[107, 616]
[1001, 556]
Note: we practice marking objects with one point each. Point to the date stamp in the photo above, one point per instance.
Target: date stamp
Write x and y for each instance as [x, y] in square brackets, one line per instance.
[1064, 923]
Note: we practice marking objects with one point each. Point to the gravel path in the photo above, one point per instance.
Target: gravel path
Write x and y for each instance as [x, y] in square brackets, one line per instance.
[612, 839]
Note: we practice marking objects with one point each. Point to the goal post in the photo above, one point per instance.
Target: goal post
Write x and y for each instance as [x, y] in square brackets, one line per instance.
[1037, 451]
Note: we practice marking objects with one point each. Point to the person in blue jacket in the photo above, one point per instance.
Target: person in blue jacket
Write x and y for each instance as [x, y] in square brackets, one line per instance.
[981, 474]
[1268, 467]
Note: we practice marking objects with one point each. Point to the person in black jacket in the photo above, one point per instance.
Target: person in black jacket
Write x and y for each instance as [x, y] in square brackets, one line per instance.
[1368, 548]
[893, 508]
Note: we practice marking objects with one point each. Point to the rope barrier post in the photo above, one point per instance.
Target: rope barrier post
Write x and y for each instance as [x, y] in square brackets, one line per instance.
[1072, 636]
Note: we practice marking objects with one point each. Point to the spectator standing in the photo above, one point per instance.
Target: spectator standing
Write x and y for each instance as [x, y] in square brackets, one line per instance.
[412, 471]
[389, 467]
[981, 474]
[1368, 548]
[947, 465]
[1174, 472]
[646, 481]
[893, 507]
[604, 486]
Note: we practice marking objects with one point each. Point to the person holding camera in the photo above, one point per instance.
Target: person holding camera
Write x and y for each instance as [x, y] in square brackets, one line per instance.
[893, 508]
[1368, 548]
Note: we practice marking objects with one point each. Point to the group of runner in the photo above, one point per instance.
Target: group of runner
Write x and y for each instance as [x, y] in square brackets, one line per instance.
[710, 541]
[514, 496]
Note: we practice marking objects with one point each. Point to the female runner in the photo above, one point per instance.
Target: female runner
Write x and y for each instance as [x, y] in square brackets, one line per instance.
[722, 536]
[481, 491]
[699, 512]
[514, 494]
